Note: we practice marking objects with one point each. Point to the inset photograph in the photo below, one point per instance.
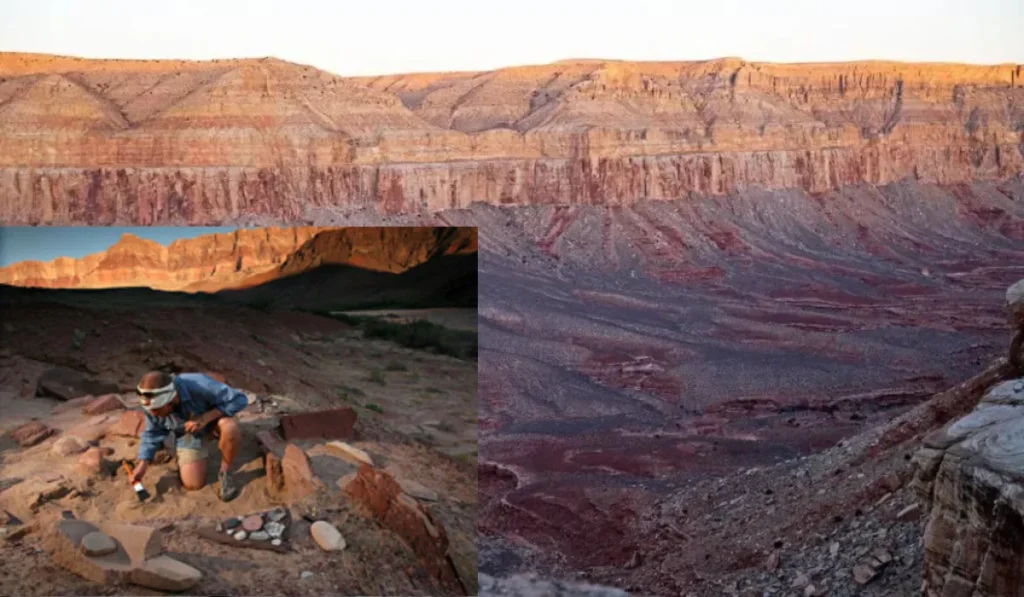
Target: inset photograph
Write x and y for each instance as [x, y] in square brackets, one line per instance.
[238, 411]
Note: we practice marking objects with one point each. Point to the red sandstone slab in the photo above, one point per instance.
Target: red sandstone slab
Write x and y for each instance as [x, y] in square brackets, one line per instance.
[338, 423]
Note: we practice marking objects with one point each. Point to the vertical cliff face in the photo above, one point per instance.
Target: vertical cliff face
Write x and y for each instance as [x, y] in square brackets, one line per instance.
[242, 258]
[105, 142]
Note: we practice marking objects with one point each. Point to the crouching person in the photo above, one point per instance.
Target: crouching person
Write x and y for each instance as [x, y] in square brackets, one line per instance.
[198, 410]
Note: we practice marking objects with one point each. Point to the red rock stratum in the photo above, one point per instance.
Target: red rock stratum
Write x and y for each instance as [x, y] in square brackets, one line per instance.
[147, 142]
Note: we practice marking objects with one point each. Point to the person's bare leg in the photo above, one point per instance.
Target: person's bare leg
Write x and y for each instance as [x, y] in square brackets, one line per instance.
[230, 440]
[193, 474]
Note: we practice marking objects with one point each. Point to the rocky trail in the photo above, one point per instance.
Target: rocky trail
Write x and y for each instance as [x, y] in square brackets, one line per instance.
[365, 438]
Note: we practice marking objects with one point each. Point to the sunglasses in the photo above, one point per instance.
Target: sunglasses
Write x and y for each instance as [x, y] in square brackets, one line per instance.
[146, 396]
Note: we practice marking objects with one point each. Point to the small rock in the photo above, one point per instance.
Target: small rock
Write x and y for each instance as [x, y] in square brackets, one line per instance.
[259, 536]
[91, 462]
[800, 581]
[220, 527]
[98, 544]
[31, 434]
[812, 591]
[68, 445]
[276, 514]
[240, 536]
[350, 453]
[274, 529]
[882, 556]
[772, 563]
[306, 574]
[14, 534]
[909, 514]
[862, 574]
[276, 542]
[833, 549]
[326, 536]
[232, 523]
[166, 574]
[103, 404]
[253, 523]
[417, 491]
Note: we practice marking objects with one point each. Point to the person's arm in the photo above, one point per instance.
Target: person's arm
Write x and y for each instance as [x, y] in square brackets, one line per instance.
[150, 440]
[224, 400]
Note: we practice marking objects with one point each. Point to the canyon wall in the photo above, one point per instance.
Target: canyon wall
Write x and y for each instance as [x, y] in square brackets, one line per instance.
[173, 142]
[241, 258]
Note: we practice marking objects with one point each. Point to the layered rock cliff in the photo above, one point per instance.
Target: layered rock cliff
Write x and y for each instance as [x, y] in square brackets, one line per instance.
[969, 476]
[101, 141]
[242, 258]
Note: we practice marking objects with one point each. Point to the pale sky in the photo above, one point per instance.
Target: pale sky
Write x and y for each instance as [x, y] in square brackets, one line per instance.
[369, 37]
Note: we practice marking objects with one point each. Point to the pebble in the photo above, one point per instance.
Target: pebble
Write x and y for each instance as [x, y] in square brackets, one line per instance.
[232, 523]
[253, 523]
[306, 574]
[274, 529]
[259, 536]
[276, 542]
[326, 536]
[276, 515]
[220, 527]
[98, 544]
[240, 535]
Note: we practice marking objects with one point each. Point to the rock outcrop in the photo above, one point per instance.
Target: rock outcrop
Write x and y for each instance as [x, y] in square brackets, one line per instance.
[174, 142]
[243, 258]
[969, 477]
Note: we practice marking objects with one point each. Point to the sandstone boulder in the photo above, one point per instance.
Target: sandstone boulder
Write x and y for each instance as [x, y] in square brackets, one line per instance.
[92, 430]
[68, 445]
[91, 462]
[64, 544]
[299, 479]
[66, 384]
[968, 477]
[164, 573]
[350, 453]
[337, 423]
[31, 434]
[131, 424]
[103, 404]
[379, 493]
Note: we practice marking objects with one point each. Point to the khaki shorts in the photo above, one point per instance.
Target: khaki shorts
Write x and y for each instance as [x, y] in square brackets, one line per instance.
[191, 449]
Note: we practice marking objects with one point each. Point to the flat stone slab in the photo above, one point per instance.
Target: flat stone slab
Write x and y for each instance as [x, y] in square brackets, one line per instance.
[164, 573]
[337, 423]
[98, 544]
[67, 384]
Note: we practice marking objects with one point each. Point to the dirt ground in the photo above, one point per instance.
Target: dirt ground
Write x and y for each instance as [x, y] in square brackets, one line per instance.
[417, 420]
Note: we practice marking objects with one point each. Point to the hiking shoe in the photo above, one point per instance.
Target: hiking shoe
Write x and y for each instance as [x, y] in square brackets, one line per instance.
[227, 490]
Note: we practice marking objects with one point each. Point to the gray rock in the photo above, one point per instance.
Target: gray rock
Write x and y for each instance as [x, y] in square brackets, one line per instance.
[275, 542]
[232, 523]
[276, 515]
[259, 536]
[274, 529]
[98, 544]
[306, 574]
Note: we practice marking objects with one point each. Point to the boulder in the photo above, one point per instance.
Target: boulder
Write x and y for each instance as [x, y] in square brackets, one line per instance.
[92, 430]
[64, 544]
[131, 424]
[299, 479]
[337, 423]
[326, 536]
[31, 434]
[350, 453]
[381, 495]
[91, 462]
[967, 475]
[164, 573]
[72, 404]
[103, 404]
[65, 384]
[68, 445]
[417, 491]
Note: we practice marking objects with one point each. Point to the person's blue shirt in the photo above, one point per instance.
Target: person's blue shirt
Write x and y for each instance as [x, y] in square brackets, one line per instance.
[199, 394]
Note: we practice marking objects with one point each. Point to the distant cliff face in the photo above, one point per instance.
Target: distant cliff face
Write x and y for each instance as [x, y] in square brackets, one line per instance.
[102, 142]
[241, 258]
